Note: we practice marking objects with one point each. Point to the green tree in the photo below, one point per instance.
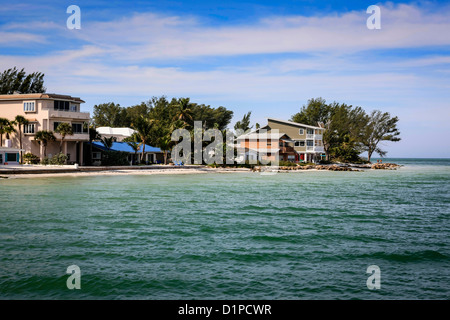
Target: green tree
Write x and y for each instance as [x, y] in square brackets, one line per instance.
[134, 142]
[44, 137]
[380, 127]
[6, 127]
[93, 135]
[12, 80]
[143, 127]
[244, 124]
[315, 112]
[183, 110]
[20, 122]
[64, 129]
[109, 115]
[108, 142]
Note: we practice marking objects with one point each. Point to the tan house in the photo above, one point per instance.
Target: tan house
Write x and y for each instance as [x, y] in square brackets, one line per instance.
[45, 111]
[292, 141]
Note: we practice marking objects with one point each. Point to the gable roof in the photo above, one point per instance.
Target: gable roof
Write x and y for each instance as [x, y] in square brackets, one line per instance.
[293, 123]
[47, 96]
[124, 147]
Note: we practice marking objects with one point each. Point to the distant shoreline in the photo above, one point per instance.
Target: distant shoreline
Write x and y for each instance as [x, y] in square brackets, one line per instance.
[64, 171]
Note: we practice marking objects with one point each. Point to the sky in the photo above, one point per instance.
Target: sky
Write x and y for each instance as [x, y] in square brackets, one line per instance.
[267, 57]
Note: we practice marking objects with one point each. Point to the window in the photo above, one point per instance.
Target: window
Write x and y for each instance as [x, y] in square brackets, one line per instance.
[73, 107]
[61, 105]
[28, 106]
[77, 128]
[310, 131]
[1, 158]
[12, 157]
[301, 132]
[299, 143]
[310, 143]
[55, 125]
[29, 128]
[96, 155]
[291, 157]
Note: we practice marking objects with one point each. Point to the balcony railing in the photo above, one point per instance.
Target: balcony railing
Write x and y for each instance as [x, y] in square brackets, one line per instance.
[73, 137]
[310, 136]
[69, 114]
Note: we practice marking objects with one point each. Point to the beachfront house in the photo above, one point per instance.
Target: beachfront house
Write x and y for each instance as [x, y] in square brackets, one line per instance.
[151, 154]
[265, 146]
[292, 141]
[45, 111]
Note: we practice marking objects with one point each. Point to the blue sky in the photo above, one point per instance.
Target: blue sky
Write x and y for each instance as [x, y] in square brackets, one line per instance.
[268, 57]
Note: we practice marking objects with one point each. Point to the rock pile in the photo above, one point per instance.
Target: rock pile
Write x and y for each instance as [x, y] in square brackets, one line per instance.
[384, 166]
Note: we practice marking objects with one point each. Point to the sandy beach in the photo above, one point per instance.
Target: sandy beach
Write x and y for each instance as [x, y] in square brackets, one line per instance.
[41, 172]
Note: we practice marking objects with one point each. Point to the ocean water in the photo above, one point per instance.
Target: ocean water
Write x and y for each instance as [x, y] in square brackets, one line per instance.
[296, 235]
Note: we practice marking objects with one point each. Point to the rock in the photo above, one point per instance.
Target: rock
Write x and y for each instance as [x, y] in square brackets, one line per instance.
[384, 166]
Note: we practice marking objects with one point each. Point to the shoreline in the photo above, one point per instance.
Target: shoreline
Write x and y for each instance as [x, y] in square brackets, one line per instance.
[74, 171]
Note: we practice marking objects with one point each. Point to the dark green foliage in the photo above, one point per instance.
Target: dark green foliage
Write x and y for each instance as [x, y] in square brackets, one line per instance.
[30, 158]
[114, 158]
[244, 124]
[58, 159]
[12, 80]
[348, 130]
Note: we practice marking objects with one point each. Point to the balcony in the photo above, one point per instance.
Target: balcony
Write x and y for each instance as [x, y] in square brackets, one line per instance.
[74, 137]
[314, 149]
[287, 150]
[310, 136]
[69, 115]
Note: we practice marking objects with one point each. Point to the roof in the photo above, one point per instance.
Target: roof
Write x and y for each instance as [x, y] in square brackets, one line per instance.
[124, 147]
[262, 136]
[45, 96]
[127, 132]
[293, 123]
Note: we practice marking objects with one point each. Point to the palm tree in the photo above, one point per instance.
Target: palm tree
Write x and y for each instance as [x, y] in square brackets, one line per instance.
[64, 129]
[184, 111]
[134, 142]
[44, 137]
[164, 144]
[6, 126]
[20, 121]
[93, 135]
[108, 142]
[143, 127]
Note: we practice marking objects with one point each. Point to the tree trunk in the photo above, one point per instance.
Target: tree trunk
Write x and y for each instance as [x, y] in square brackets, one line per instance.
[143, 150]
[20, 144]
[165, 156]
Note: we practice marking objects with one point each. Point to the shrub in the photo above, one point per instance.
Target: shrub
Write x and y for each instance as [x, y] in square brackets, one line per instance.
[115, 158]
[58, 159]
[45, 161]
[283, 163]
[30, 158]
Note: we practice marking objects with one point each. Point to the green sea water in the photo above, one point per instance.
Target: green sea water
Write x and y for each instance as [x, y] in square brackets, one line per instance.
[296, 235]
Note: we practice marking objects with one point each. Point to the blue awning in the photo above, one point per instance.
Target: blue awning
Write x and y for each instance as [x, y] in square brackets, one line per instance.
[124, 147]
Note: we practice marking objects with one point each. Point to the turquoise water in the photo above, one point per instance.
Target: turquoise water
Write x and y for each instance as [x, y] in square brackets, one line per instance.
[296, 235]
